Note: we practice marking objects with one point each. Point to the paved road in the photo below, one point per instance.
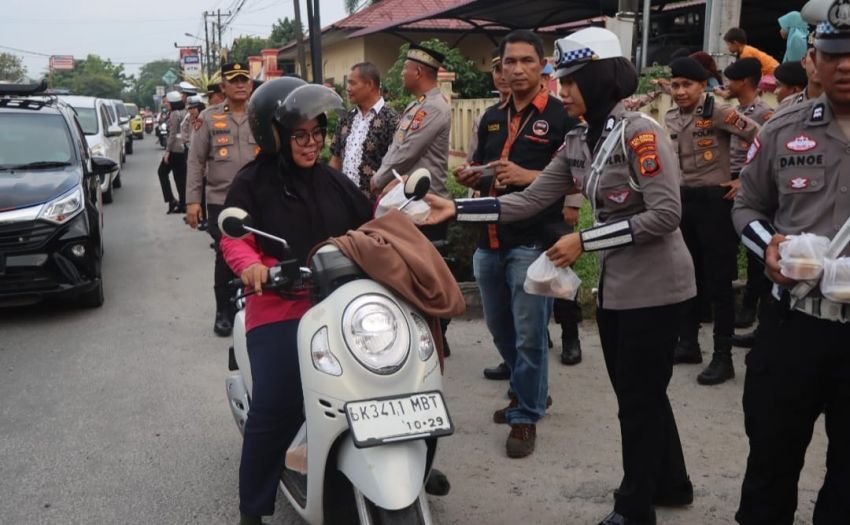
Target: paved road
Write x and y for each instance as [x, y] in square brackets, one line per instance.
[118, 415]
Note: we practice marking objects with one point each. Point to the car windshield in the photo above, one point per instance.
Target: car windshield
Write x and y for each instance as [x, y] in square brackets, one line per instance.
[88, 120]
[132, 109]
[35, 140]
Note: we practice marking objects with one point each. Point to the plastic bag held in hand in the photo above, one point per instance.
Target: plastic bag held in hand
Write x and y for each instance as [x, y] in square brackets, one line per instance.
[801, 256]
[417, 210]
[835, 284]
[544, 278]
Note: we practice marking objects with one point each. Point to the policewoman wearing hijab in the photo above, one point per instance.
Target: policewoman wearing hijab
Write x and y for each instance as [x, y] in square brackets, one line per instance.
[288, 194]
[647, 274]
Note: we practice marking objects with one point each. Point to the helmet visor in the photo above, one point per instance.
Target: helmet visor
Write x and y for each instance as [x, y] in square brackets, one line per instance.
[306, 103]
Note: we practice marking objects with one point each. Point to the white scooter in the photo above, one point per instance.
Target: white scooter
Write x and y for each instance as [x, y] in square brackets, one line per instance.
[373, 401]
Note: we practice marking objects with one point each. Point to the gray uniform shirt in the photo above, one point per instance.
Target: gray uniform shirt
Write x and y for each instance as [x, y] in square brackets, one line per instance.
[640, 183]
[186, 130]
[221, 145]
[421, 141]
[797, 178]
[174, 143]
[702, 141]
[759, 112]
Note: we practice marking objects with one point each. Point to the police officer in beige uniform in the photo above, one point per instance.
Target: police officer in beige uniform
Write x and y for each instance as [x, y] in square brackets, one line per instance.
[175, 155]
[221, 145]
[422, 138]
[701, 129]
[797, 181]
[624, 164]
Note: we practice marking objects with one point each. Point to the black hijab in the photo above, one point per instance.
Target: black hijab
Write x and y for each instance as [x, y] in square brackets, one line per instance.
[603, 84]
[305, 206]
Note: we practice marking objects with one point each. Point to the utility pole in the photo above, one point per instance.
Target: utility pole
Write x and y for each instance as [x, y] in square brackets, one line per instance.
[299, 39]
[207, 42]
[220, 48]
[313, 20]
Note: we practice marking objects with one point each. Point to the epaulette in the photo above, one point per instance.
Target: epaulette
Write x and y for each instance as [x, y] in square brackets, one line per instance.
[793, 114]
[707, 108]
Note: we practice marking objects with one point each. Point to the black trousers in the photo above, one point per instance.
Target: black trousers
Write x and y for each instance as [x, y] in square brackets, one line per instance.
[799, 368]
[165, 182]
[276, 414]
[222, 274]
[758, 285]
[178, 167]
[707, 228]
[638, 348]
[568, 315]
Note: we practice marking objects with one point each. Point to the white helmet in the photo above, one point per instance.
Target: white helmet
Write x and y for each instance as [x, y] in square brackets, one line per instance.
[187, 87]
[173, 96]
[582, 47]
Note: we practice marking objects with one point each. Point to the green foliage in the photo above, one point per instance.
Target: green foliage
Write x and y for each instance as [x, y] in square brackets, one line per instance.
[469, 81]
[12, 68]
[94, 77]
[587, 268]
[247, 46]
[651, 73]
[283, 31]
[150, 75]
[461, 238]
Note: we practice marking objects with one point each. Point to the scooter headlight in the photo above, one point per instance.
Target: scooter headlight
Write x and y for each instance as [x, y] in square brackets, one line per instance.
[424, 341]
[320, 350]
[376, 332]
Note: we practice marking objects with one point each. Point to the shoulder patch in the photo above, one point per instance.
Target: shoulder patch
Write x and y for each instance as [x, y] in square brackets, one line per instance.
[650, 165]
[753, 152]
[417, 119]
[643, 142]
[732, 118]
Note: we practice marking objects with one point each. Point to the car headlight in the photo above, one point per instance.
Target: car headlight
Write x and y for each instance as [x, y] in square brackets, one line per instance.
[424, 341]
[98, 150]
[376, 332]
[63, 208]
[320, 351]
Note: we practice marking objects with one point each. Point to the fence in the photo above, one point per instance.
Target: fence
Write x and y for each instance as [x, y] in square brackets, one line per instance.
[465, 111]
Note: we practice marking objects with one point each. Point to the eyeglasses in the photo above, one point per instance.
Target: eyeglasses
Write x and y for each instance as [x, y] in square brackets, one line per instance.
[302, 137]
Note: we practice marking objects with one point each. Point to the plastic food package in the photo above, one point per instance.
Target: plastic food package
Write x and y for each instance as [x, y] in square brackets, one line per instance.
[417, 210]
[544, 278]
[801, 256]
[296, 455]
[835, 284]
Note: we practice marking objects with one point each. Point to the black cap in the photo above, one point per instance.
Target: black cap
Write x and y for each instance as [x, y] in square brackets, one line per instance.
[791, 74]
[687, 67]
[743, 68]
[213, 88]
[425, 56]
[232, 70]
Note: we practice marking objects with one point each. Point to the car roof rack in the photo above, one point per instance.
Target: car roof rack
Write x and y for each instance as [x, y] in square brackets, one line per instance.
[23, 90]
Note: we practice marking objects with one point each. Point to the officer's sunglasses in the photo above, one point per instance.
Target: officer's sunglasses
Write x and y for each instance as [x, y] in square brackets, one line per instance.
[302, 137]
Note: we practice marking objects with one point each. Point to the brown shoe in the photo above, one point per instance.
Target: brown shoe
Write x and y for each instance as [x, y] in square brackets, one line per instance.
[500, 416]
[521, 440]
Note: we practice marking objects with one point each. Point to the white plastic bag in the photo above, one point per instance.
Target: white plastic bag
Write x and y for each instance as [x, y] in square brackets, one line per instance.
[544, 278]
[835, 284]
[296, 455]
[417, 210]
[801, 256]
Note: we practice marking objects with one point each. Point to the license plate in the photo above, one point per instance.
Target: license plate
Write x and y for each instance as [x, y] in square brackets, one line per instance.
[398, 418]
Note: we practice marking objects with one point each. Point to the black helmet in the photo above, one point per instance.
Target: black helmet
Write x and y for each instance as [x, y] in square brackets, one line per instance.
[286, 101]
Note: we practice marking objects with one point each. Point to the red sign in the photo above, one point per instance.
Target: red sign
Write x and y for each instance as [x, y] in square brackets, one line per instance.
[61, 63]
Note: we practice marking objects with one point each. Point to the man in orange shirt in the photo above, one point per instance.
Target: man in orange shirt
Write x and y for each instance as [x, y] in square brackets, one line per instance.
[736, 42]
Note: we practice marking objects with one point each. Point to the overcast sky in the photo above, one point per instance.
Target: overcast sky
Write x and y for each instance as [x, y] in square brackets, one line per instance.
[131, 32]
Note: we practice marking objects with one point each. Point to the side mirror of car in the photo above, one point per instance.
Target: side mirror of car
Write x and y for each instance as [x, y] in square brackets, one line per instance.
[123, 120]
[114, 131]
[103, 165]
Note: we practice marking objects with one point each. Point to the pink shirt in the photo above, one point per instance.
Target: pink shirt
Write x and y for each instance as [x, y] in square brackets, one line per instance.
[269, 307]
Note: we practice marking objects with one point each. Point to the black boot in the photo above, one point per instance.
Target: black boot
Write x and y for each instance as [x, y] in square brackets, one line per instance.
[570, 350]
[746, 316]
[437, 483]
[498, 373]
[720, 369]
[745, 340]
[687, 351]
[224, 313]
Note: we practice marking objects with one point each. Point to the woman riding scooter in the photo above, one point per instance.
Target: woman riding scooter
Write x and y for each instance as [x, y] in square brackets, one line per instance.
[288, 194]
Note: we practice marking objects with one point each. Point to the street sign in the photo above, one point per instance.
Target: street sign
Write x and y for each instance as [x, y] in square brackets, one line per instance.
[61, 63]
[160, 91]
[192, 66]
[170, 77]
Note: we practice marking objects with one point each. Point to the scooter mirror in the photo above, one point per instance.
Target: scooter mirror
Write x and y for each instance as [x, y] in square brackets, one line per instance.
[417, 184]
[232, 222]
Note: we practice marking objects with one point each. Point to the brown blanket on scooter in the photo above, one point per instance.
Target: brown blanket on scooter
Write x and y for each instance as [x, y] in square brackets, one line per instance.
[393, 252]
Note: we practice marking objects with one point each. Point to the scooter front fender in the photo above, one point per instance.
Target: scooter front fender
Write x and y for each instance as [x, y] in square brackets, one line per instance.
[390, 476]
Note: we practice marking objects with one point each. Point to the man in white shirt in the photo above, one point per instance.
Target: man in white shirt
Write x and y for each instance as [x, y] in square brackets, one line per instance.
[364, 134]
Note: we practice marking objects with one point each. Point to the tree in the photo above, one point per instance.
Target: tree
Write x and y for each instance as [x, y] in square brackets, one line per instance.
[12, 68]
[247, 46]
[150, 75]
[469, 81]
[283, 31]
[94, 77]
